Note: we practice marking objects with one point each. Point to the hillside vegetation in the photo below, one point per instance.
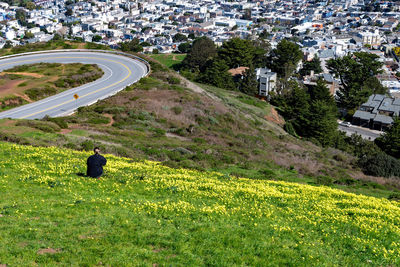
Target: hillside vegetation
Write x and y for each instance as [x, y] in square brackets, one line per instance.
[31, 82]
[166, 118]
[143, 213]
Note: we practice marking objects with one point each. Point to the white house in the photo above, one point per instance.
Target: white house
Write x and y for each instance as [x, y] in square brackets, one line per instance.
[266, 81]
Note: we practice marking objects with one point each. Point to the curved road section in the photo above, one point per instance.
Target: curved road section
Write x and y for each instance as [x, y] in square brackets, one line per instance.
[119, 72]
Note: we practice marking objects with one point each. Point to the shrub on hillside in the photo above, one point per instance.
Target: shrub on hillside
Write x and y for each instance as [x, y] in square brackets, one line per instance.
[173, 80]
[380, 164]
[45, 126]
[61, 122]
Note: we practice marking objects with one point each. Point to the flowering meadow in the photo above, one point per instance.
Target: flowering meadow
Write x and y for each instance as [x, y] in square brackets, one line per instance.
[145, 214]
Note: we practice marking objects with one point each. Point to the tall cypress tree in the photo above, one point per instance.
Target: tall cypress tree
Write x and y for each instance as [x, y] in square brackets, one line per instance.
[390, 140]
[248, 84]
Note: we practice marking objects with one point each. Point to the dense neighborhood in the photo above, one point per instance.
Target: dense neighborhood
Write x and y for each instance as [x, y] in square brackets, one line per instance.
[324, 30]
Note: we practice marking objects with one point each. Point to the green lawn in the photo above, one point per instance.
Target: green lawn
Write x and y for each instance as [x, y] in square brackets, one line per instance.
[169, 60]
[145, 214]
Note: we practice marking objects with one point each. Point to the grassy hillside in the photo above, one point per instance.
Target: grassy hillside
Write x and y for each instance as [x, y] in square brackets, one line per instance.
[143, 213]
[169, 60]
[184, 125]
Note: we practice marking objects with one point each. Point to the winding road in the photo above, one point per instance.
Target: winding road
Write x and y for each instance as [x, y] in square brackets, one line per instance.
[119, 72]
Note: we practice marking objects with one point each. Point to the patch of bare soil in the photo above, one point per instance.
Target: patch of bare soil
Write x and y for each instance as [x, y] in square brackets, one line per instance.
[24, 96]
[48, 251]
[34, 75]
[110, 116]
[65, 131]
[9, 87]
[198, 89]
[8, 123]
[274, 117]
[171, 135]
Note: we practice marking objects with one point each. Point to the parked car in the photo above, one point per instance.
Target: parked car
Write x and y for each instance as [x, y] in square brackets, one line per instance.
[345, 124]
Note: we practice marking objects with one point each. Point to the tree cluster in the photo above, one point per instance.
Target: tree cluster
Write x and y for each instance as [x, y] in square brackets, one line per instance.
[210, 65]
[310, 113]
[357, 73]
[132, 46]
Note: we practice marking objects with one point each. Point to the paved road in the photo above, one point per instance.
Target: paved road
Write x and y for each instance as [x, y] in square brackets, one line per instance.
[364, 132]
[119, 72]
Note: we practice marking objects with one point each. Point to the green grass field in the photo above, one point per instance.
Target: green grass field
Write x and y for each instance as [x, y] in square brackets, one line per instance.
[146, 214]
[169, 60]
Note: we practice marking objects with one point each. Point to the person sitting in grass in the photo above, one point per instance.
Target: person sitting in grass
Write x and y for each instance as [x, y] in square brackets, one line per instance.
[95, 164]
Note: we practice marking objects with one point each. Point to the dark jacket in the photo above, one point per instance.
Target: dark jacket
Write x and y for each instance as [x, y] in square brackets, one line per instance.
[95, 165]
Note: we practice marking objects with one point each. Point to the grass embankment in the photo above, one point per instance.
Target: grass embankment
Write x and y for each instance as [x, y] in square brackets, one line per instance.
[28, 83]
[169, 60]
[146, 213]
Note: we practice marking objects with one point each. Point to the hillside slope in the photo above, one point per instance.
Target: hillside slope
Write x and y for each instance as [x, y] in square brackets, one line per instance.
[143, 213]
[166, 118]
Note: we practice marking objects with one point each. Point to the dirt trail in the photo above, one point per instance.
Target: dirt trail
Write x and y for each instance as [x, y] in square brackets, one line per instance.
[198, 89]
[111, 119]
[35, 75]
[24, 96]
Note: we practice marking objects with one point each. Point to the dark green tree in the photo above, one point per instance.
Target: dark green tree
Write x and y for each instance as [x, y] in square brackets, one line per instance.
[203, 49]
[96, 38]
[248, 84]
[313, 65]
[239, 52]
[131, 46]
[28, 35]
[184, 48]
[30, 5]
[294, 105]
[264, 34]
[389, 142]
[322, 123]
[69, 12]
[216, 73]
[311, 114]
[247, 14]
[357, 78]
[260, 53]
[8, 44]
[284, 58]
[236, 52]
[321, 92]
[179, 37]
[20, 15]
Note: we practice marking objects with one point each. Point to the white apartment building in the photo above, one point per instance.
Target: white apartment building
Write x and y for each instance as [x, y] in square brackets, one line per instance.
[266, 81]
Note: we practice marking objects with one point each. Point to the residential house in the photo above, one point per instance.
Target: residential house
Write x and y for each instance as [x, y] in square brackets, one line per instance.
[266, 81]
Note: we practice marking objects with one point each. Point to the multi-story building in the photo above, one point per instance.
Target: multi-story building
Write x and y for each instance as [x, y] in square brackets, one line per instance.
[266, 81]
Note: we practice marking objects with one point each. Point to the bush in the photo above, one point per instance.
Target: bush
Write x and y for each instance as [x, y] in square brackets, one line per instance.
[87, 145]
[158, 132]
[173, 80]
[288, 127]
[45, 126]
[324, 180]
[61, 122]
[39, 93]
[380, 164]
[177, 110]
